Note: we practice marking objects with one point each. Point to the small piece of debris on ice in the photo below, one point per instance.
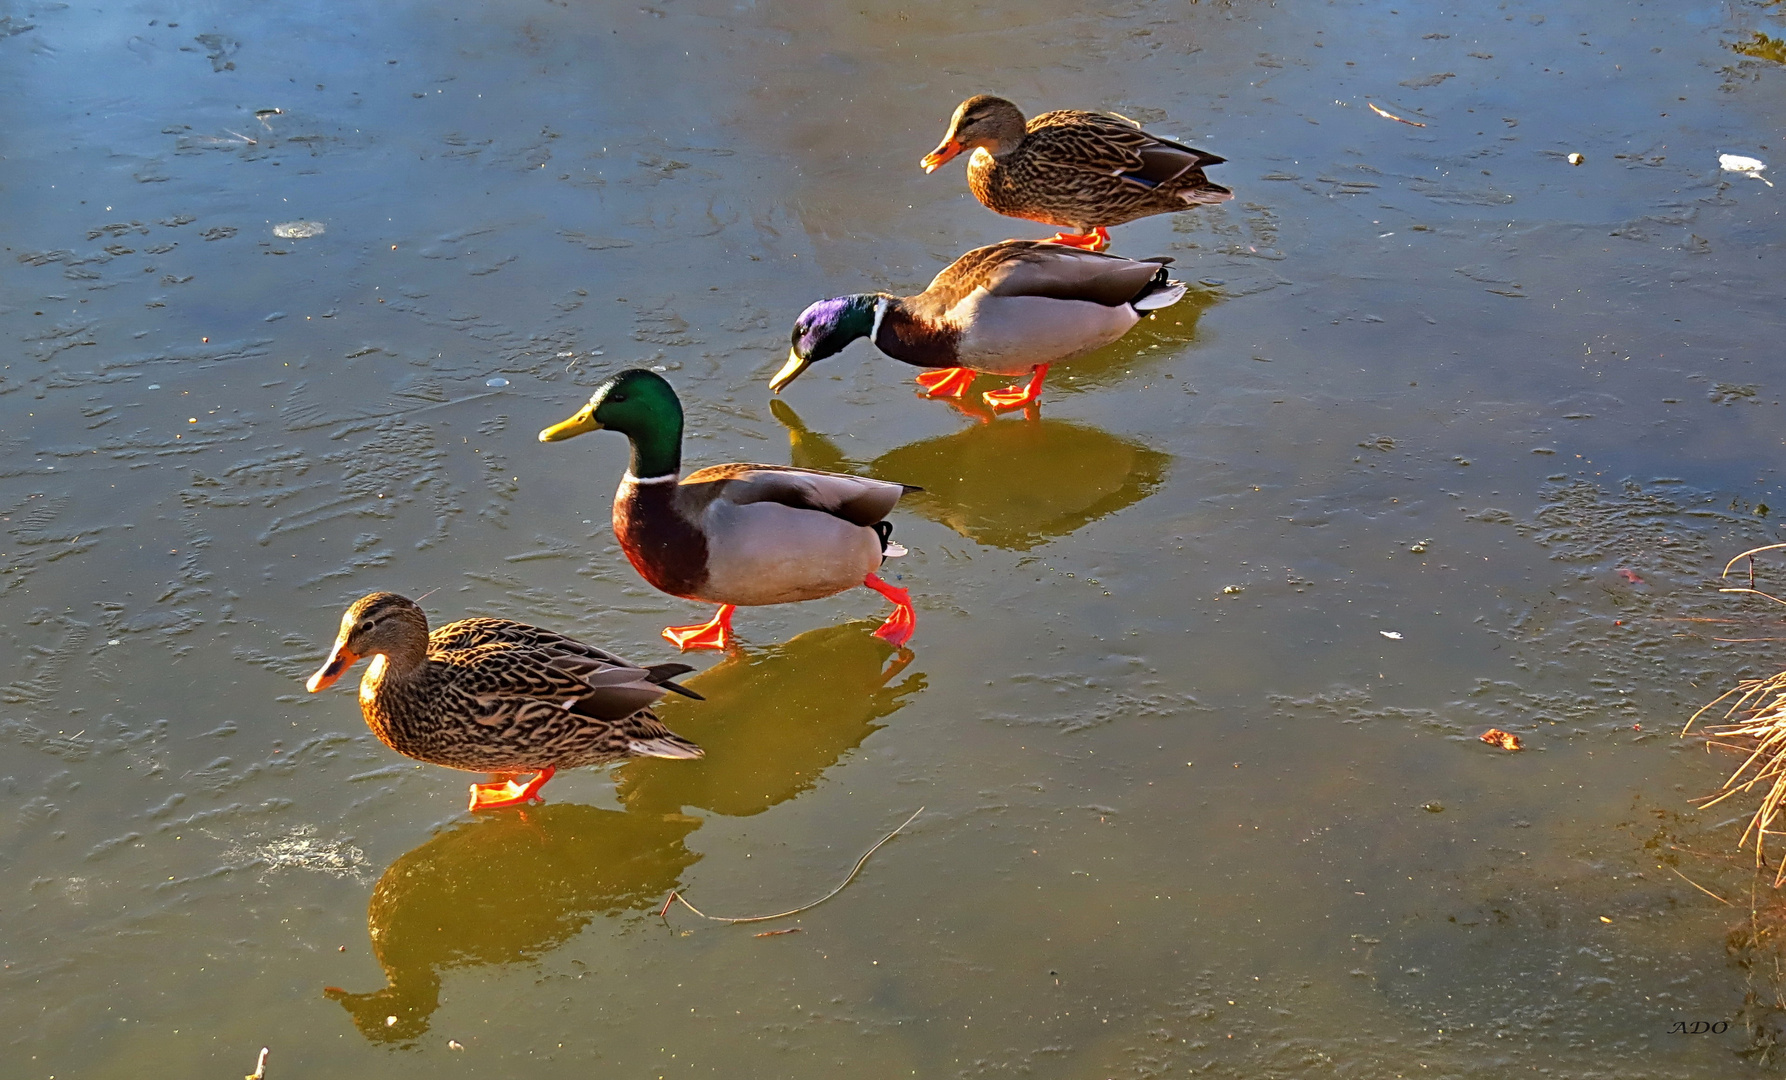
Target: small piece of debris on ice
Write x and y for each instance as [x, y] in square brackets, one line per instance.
[496, 381]
[299, 230]
[1506, 740]
[1747, 166]
[1391, 635]
[1575, 159]
[454, 1044]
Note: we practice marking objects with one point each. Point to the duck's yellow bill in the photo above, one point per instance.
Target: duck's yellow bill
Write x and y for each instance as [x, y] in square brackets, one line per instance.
[788, 373]
[584, 421]
[340, 659]
[943, 154]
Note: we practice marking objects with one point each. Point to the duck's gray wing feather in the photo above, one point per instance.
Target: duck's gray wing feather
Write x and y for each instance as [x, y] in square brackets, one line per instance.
[858, 500]
[1036, 268]
[1059, 272]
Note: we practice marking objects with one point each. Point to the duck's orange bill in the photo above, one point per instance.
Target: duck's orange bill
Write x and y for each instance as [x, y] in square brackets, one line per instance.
[333, 668]
[941, 155]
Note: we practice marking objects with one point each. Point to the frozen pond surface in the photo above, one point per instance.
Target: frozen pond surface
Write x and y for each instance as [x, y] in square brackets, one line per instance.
[289, 289]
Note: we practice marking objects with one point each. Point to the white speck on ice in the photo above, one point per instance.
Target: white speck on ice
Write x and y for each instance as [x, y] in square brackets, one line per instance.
[1392, 635]
[299, 230]
[1747, 166]
[496, 380]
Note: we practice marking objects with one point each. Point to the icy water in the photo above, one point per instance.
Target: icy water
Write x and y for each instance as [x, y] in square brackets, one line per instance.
[1450, 434]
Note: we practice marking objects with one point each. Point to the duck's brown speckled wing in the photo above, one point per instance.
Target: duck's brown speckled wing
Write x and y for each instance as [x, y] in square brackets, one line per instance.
[1113, 145]
[567, 653]
[1035, 268]
[1086, 170]
[470, 633]
[858, 500]
[505, 677]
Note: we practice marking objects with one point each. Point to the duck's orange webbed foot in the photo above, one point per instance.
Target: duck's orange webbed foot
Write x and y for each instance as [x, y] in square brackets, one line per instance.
[946, 382]
[713, 634]
[508, 792]
[1020, 395]
[1096, 240]
[898, 628]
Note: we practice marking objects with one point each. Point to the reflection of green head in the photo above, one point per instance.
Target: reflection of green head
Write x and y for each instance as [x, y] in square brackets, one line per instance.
[640, 405]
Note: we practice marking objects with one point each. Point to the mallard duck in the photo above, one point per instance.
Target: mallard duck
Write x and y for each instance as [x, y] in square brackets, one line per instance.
[1072, 169]
[492, 695]
[740, 533]
[1011, 308]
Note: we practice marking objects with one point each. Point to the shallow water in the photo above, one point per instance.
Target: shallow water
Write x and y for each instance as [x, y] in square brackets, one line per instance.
[1188, 808]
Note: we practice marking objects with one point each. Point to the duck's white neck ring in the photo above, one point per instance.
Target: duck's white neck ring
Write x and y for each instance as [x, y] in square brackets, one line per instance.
[666, 478]
[880, 312]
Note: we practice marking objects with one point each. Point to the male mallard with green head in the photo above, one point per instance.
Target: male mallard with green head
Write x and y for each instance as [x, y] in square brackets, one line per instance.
[739, 533]
[494, 695]
[1071, 169]
[1011, 308]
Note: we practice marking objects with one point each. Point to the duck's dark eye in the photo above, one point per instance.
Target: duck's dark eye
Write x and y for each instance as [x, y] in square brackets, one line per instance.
[366, 627]
[616, 397]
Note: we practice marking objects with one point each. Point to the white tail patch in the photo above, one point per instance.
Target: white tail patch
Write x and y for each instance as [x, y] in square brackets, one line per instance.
[665, 748]
[894, 551]
[1171, 294]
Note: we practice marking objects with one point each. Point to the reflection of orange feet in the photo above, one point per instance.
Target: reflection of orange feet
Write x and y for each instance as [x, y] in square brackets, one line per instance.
[714, 634]
[507, 792]
[897, 630]
[1013, 397]
[946, 382]
[972, 408]
[1096, 240]
[901, 660]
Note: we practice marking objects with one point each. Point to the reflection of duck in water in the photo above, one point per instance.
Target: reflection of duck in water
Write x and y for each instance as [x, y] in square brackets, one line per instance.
[505, 890]
[774, 720]
[968, 477]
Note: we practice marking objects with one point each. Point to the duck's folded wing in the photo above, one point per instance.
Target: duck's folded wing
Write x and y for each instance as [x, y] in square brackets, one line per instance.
[1104, 142]
[471, 633]
[477, 632]
[602, 673]
[501, 677]
[1060, 272]
[856, 499]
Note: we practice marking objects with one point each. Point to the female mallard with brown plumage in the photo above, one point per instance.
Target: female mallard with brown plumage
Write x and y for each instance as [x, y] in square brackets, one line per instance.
[1011, 308]
[493, 695]
[1071, 169]
[740, 533]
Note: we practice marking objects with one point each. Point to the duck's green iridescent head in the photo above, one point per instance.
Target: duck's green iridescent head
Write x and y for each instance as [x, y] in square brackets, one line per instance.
[640, 405]
[823, 330]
